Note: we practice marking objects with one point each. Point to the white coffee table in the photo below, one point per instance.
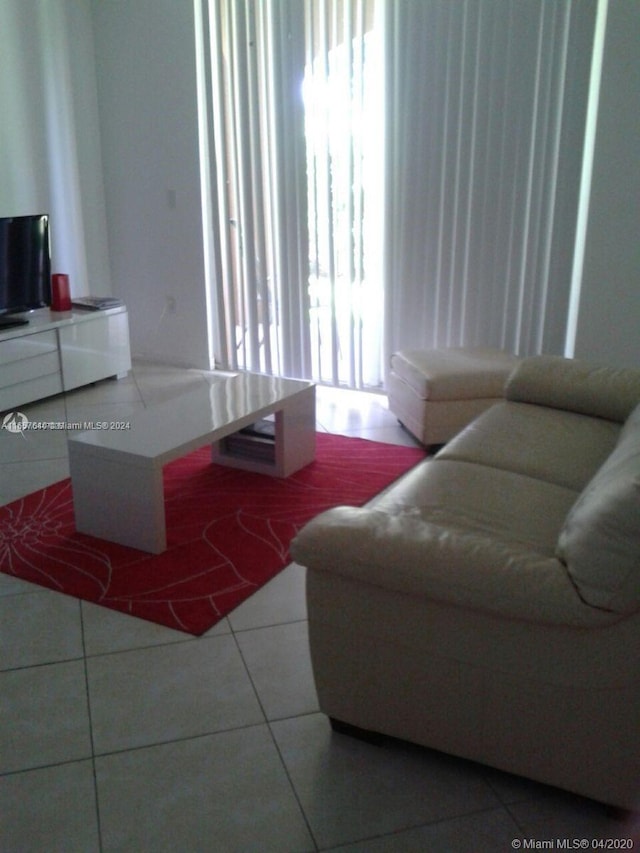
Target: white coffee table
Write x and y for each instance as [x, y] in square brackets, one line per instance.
[116, 473]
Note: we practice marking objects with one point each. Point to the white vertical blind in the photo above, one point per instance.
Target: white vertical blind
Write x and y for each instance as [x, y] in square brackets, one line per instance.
[486, 104]
[260, 220]
[344, 110]
[394, 174]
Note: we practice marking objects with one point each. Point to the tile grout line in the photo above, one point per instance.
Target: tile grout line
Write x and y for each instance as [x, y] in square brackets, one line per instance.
[91, 738]
[267, 722]
[290, 780]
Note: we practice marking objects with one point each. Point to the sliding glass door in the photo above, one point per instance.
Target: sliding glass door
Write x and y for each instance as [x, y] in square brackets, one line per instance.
[297, 126]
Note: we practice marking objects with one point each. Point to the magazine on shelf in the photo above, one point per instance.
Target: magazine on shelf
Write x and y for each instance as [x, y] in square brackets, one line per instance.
[96, 303]
[256, 441]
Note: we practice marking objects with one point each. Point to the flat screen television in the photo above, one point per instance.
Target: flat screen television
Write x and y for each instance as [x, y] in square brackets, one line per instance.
[25, 266]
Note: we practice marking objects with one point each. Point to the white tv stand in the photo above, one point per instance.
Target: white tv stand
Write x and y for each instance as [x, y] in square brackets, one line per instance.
[59, 351]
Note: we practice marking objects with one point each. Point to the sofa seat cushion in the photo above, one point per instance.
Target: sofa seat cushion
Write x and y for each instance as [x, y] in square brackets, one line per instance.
[600, 540]
[406, 554]
[488, 501]
[555, 446]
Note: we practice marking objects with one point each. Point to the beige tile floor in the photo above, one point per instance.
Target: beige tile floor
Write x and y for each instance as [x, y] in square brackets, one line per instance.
[120, 735]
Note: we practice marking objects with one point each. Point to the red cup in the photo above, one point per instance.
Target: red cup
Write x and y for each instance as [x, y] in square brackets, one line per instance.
[60, 295]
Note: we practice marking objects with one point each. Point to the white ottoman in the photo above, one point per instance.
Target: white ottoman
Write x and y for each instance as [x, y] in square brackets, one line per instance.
[435, 393]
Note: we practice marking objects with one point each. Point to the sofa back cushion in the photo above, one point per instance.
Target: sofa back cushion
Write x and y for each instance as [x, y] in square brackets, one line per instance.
[576, 386]
[600, 539]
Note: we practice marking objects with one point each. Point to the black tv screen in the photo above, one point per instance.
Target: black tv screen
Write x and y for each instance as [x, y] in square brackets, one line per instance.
[25, 263]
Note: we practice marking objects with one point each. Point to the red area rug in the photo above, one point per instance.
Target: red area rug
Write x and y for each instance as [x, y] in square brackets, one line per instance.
[228, 533]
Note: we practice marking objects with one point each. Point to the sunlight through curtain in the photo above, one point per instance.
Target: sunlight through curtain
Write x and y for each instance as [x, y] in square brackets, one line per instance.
[344, 111]
[297, 129]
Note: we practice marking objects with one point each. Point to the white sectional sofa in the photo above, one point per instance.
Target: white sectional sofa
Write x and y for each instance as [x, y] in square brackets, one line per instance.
[488, 604]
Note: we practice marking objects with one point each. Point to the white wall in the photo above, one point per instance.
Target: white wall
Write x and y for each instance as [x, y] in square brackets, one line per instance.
[49, 141]
[147, 94]
[609, 314]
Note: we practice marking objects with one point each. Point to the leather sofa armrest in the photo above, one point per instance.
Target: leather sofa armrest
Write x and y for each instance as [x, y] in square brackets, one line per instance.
[575, 386]
[406, 554]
